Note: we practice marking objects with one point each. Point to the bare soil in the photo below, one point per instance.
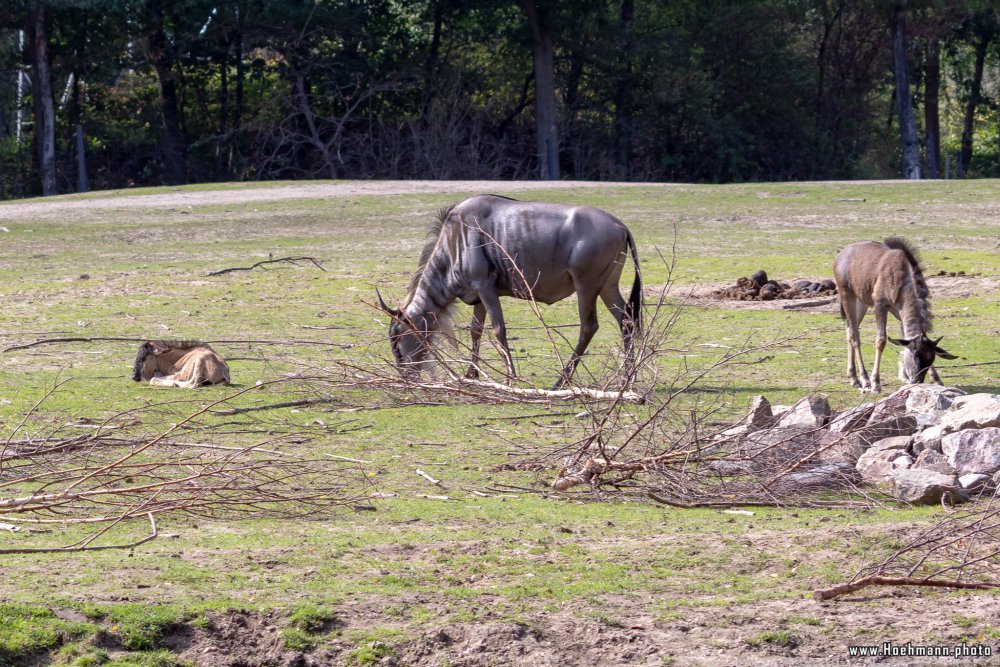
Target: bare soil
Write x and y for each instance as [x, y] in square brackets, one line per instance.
[817, 633]
[67, 205]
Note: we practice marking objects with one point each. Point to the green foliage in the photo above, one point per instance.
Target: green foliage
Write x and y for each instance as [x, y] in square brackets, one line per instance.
[686, 91]
[27, 629]
[140, 626]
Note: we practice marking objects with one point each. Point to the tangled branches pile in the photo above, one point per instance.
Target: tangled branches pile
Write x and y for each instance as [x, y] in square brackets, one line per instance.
[119, 471]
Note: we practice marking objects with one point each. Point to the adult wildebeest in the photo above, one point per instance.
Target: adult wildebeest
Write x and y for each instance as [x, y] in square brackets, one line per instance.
[888, 278]
[186, 364]
[489, 246]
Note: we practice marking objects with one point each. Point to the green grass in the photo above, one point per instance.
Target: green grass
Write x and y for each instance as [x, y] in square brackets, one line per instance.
[519, 556]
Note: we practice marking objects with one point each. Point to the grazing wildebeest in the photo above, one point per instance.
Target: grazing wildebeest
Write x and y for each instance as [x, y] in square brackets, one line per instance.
[888, 278]
[187, 364]
[489, 246]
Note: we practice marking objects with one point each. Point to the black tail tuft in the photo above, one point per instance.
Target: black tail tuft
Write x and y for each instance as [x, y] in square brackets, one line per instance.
[633, 310]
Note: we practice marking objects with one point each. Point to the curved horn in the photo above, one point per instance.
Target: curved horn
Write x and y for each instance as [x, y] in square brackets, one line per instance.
[938, 340]
[381, 304]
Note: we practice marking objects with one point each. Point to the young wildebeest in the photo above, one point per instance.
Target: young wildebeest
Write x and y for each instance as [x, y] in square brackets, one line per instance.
[187, 364]
[487, 247]
[888, 278]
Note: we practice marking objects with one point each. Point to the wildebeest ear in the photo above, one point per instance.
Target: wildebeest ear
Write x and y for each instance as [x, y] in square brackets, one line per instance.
[944, 354]
[381, 304]
[900, 341]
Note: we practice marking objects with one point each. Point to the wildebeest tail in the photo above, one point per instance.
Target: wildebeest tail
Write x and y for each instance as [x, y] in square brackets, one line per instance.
[923, 292]
[633, 309]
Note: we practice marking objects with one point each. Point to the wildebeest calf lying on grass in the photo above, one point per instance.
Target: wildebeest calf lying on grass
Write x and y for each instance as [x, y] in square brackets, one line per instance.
[187, 364]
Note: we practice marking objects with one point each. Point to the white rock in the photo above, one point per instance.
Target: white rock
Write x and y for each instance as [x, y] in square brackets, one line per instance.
[930, 398]
[877, 465]
[973, 482]
[972, 411]
[811, 411]
[973, 450]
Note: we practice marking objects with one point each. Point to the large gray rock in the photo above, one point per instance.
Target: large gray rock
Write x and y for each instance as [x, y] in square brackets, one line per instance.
[893, 442]
[851, 419]
[935, 461]
[930, 399]
[974, 450]
[827, 476]
[971, 411]
[924, 487]
[876, 466]
[811, 411]
[892, 405]
[847, 448]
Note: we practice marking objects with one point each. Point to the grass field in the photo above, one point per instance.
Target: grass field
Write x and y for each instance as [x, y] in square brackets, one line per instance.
[503, 571]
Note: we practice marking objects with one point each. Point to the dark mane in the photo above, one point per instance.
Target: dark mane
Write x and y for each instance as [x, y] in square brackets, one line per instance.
[923, 293]
[172, 344]
[433, 232]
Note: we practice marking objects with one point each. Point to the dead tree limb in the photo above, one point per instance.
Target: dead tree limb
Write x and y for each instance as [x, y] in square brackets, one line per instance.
[290, 260]
[875, 580]
[94, 339]
[154, 533]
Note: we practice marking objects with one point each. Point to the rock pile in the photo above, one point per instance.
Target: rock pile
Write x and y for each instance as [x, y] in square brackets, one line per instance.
[924, 442]
[759, 288]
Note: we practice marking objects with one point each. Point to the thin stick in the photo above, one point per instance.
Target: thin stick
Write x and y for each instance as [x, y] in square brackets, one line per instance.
[430, 479]
[290, 260]
[876, 580]
[91, 339]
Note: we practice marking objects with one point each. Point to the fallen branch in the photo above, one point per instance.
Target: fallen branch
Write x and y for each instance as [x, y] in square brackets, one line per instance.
[92, 339]
[273, 406]
[154, 533]
[876, 580]
[430, 479]
[565, 394]
[290, 260]
[808, 304]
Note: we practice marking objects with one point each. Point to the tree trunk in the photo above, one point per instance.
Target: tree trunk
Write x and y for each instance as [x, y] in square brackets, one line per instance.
[173, 135]
[623, 93]
[975, 96]
[41, 92]
[904, 106]
[547, 134]
[932, 122]
[430, 65]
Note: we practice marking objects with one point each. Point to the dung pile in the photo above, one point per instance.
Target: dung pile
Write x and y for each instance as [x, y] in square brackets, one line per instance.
[759, 288]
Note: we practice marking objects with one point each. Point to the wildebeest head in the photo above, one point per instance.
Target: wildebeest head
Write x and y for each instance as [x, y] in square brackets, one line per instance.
[145, 363]
[410, 340]
[919, 355]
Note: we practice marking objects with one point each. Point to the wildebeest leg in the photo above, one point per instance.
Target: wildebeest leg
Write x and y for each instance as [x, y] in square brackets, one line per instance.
[854, 311]
[587, 304]
[934, 376]
[881, 315]
[491, 302]
[476, 328]
[616, 304]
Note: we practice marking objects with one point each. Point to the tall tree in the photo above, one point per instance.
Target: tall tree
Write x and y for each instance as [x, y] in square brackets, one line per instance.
[623, 93]
[904, 102]
[932, 114]
[162, 58]
[546, 125]
[41, 92]
[983, 30]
